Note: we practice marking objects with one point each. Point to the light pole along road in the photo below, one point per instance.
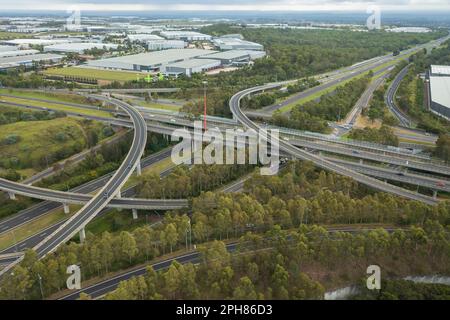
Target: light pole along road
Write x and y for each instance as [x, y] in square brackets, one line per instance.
[80, 219]
[317, 160]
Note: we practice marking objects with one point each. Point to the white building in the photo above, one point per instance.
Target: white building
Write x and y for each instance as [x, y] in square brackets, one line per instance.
[8, 48]
[154, 45]
[236, 44]
[23, 43]
[148, 61]
[234, 57]
[186, 35]
[439, 90]
[17, 53]
[191, 66]
[29, 60]
[79, 47]
[143, 37]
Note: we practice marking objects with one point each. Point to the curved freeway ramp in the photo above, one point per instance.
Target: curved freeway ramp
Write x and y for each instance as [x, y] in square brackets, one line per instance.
[79, 220]
[79, 198]
[318, 160]
[390, 99]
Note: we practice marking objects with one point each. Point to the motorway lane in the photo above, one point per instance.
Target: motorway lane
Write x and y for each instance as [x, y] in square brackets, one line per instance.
[390, 99]
[360, 154]
[75, 223]
[168, 129]
[108, 192]
[76, 198]
[319, 161]
[343, 75]
[44, 207]
[33, 240]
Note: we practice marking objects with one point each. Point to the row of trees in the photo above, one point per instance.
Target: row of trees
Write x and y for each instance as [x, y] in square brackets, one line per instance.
[300, 196]
[384, 135]
[186, 182]
[314, 115]
[279, 264]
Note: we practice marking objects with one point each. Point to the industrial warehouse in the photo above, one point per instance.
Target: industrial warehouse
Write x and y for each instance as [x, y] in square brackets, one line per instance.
[174, 62]
[439, 90]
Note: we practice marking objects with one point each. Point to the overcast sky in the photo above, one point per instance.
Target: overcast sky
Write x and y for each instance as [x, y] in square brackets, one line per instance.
[266, 5]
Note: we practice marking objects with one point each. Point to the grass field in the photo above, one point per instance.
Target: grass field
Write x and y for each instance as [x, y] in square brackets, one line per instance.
[37, 140]
[54, 96]
[54, 106]
[13, 35]
[156, 105]
[95, 74]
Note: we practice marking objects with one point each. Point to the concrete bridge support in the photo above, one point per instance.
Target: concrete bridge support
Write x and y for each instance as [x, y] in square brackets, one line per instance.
[435, 194]
[12, 195]
[138, 168]
[135, 213]
[82, 235]
[66, 208]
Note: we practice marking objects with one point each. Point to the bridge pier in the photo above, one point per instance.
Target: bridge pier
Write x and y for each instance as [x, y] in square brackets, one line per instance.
[82, 235]
[66, 208]
[135, 214]
[119, 194]
[12, 195]
[361, 161]
[435, 194]
[138, 168]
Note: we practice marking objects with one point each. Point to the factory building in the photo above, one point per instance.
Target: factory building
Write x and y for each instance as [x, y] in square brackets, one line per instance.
[186, 35]
[28, 60]
[149, 61]
[188, 67]
[30, 42]
[17, 53]
[78, 47]
[236, 44]
[439, 90]
[154, 45]
[8, 48]
[143, 37]
[235, 57]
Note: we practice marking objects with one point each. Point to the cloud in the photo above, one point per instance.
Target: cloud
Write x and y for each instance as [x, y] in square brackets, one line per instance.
[255, 5]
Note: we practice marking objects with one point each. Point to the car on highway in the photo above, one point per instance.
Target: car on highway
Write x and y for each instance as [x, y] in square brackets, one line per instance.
[355, 152]
[106, 194]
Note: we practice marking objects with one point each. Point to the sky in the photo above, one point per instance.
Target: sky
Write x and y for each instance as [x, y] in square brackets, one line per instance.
[226, 5]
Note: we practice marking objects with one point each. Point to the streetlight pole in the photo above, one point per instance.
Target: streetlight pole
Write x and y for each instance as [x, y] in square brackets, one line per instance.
[40, 285]
[205, 83]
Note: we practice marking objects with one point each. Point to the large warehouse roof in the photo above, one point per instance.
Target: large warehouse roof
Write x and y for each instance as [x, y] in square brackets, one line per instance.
[194, 63]
[440, 90]
[8, 48]
[440, 70]
[143, 37]
[228, 55]
[149, 59]
[35, 41]
[28, 59]
[79, 47]
[16, 53]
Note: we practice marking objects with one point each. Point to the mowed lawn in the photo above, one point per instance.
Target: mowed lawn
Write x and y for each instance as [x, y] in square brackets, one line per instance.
[48, 95]
[34, 141]
[54, 106]
[95, 74]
